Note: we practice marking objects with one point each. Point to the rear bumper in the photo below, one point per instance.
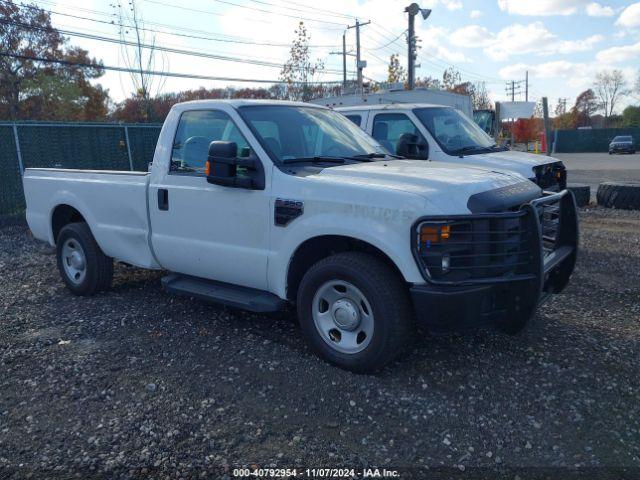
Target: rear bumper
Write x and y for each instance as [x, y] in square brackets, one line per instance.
[511, 301]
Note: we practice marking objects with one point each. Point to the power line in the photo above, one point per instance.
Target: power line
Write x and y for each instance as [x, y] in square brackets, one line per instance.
[151, 72]
[156, 47]
[213, 39]
[279, 14]
[314, 9]
[303, 11]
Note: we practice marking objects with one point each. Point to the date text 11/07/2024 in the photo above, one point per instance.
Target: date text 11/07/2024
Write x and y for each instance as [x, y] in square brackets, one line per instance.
[315, 473]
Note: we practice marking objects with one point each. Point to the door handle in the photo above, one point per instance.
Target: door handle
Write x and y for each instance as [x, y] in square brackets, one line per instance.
[163, 199]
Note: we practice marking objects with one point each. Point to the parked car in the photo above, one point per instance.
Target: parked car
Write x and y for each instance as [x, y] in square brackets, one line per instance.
[622, 144]
[448, 135]
[260, 205]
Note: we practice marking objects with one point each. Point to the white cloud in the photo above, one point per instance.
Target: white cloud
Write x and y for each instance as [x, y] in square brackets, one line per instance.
[540, 7]
[555, 7]
[534, 39]
[475, 14]
[452, 4]
[619, 54]
[596, 10]
[630, 16]
[471, 36]
[433, 39]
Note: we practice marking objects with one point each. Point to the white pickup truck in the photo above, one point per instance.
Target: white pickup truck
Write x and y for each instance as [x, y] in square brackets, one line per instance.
[445, 134]
[260, 205]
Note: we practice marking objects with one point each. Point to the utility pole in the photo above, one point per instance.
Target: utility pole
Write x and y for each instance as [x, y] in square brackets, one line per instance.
[513, 87]
[526, 81]
[412, 41]
[360, 64]
[344, 60]
[344, 54]
[547, 131]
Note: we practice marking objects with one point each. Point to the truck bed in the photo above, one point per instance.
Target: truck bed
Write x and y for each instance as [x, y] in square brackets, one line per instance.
[113, 203]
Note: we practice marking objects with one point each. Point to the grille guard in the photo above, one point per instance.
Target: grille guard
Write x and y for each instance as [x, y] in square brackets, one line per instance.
[550, 271]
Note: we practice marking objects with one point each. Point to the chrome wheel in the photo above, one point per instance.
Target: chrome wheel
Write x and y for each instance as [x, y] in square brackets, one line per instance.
[74, 261]
[343, 316]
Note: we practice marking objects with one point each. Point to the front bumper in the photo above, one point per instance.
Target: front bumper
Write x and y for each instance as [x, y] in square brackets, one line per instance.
[509, 301]
[621, 149]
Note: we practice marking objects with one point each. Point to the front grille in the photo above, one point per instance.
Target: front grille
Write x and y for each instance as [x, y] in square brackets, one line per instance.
[549, 218]
[480, 248]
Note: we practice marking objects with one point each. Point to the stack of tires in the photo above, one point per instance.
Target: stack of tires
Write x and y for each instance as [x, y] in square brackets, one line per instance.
[582, 194]
[620, 195]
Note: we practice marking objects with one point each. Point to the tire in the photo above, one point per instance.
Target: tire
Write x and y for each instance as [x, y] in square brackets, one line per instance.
[620, 195]
[82, 265]
[582, 193]
[386, 306]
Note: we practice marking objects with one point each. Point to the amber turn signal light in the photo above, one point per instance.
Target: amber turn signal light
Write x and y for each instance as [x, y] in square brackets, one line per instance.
[434, 233]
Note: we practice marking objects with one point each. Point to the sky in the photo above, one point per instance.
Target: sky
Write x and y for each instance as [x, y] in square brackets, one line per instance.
[561, 43]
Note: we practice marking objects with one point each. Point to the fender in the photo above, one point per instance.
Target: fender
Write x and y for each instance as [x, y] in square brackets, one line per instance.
[390, 238]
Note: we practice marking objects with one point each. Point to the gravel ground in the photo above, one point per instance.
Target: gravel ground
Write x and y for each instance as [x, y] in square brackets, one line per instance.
[135, 382]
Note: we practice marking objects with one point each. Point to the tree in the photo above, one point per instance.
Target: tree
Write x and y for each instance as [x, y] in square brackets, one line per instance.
[38, 90]
[396, 72]
[586, 105]
[610, 87]
[561, 107]
[450, 78]
[139, 53]
[299, 70]
[428, 82]
[631, 116]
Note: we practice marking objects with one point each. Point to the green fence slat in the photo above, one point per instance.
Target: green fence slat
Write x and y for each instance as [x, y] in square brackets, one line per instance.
[143, 144]
[591, 140]
[11, 192]
[69, 145]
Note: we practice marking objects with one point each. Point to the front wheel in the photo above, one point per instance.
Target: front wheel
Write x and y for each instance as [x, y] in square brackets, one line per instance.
[355, 311]
[84, 268]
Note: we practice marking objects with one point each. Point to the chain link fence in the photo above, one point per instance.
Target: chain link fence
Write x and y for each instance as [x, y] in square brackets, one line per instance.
[590, 139]
[69, 145]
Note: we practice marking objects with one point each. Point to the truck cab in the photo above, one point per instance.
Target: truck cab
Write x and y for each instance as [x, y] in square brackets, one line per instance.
[450, 136]
[262, 205]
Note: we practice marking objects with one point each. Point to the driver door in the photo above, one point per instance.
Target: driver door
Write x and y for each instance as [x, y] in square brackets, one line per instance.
[204, 230]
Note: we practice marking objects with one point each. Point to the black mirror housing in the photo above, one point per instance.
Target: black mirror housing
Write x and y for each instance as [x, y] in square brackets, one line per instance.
[410, 146]
[226, 169]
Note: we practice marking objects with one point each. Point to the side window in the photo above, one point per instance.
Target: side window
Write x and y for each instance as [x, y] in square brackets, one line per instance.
[357, 119]
[388, 127]
[196, 130]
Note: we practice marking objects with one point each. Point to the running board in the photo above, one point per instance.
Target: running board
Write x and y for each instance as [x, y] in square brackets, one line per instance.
[243, 298]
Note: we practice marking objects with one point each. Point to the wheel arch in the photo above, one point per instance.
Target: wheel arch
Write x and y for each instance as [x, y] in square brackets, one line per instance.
[62, 215]
[316, 248]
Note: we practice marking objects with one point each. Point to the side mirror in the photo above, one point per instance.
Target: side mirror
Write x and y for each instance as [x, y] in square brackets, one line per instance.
[224, 168]
[410, 146]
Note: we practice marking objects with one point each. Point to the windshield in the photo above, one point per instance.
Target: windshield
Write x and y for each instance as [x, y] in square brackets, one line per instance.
[454, 132]
[622, 139]
[289, 132]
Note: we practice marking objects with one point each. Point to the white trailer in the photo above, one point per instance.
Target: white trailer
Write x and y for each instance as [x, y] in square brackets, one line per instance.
[419, 95]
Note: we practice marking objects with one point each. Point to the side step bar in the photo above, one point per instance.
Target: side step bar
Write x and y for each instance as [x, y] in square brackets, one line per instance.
[243, 298]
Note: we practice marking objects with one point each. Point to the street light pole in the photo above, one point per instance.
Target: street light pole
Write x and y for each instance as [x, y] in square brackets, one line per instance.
[412, 41]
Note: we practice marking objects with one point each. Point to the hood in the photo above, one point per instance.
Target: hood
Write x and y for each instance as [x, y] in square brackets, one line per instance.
[520, 162]
[446, 184]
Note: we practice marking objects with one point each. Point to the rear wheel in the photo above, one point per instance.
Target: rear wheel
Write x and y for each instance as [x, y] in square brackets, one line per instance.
[82, 265]
[355, 311]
